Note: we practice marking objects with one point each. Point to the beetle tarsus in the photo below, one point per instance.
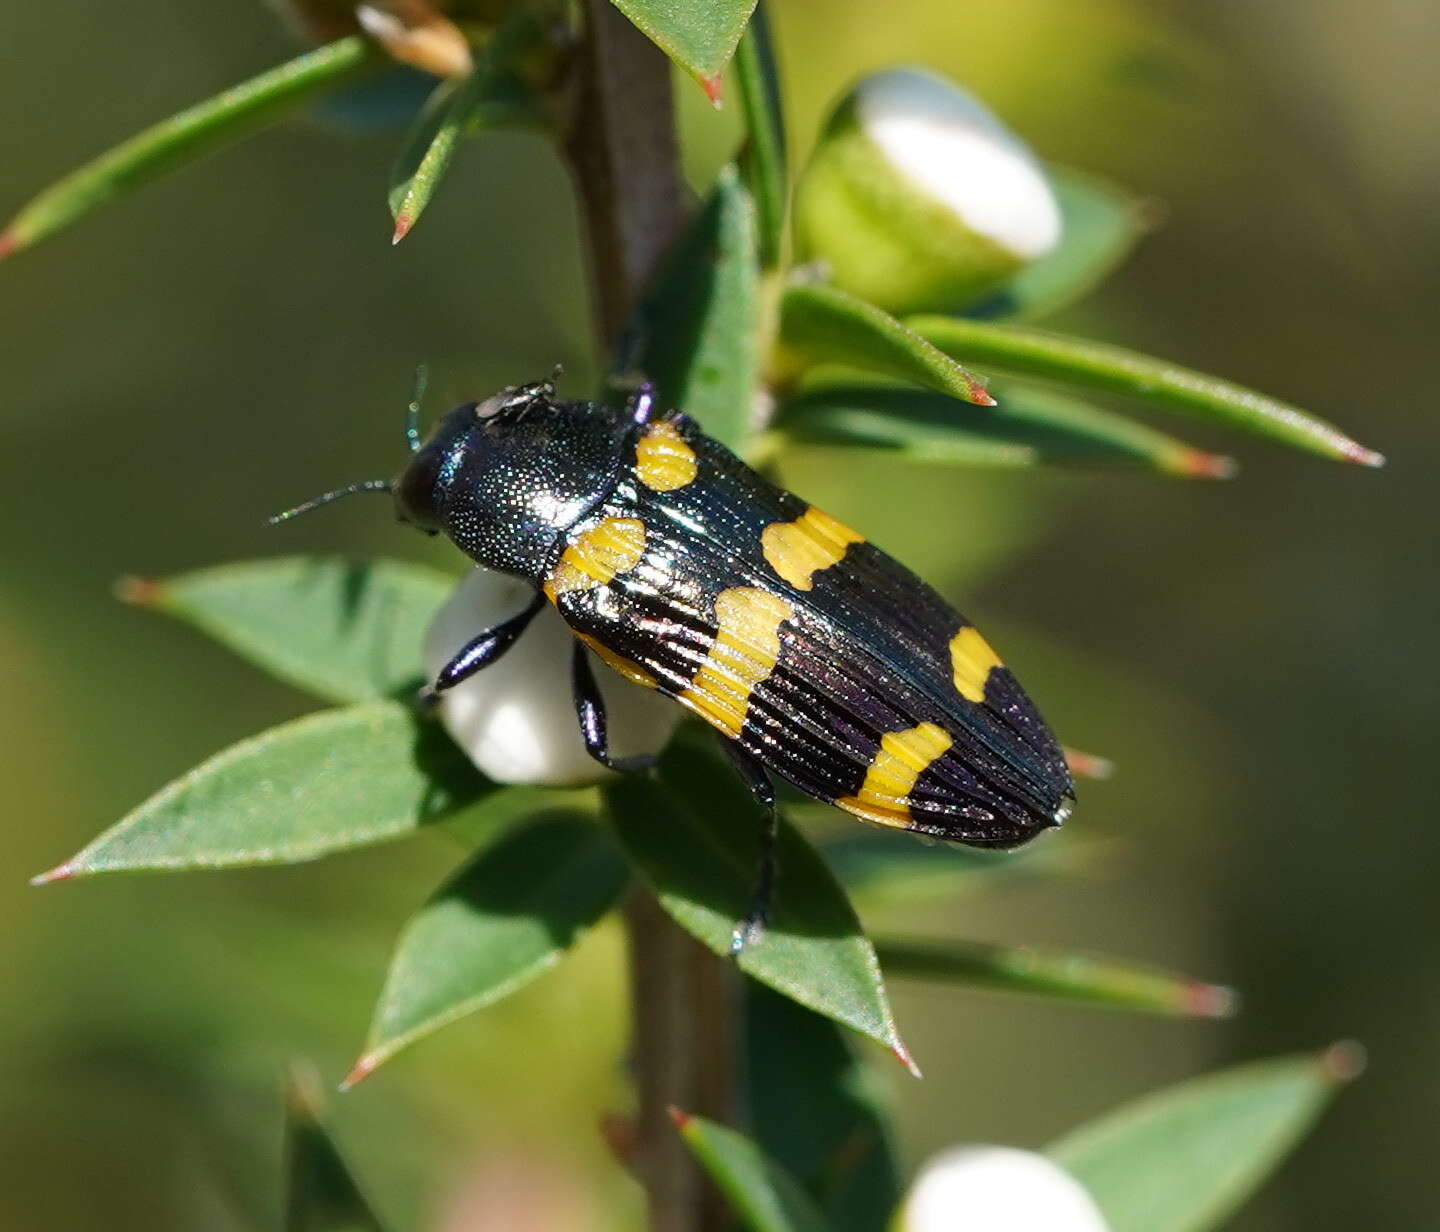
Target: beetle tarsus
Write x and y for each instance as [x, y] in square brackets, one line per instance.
[751, 927]
[590, 711]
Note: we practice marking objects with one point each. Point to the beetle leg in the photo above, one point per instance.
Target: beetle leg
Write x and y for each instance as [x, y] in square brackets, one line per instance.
[590, 710]
[482, 650]
[757, 915]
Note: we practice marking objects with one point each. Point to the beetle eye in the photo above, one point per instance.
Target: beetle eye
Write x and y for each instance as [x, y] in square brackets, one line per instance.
[416, 498]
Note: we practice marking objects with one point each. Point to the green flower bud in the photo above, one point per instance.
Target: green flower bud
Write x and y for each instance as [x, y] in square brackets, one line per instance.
[918, 199]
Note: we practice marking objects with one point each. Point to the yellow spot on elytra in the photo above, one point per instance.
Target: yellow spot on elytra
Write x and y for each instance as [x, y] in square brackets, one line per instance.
[663, 461]
[798, 550]
[746, 649]
[597, 556]
[971, 660]
[626, 667]
[884, 796]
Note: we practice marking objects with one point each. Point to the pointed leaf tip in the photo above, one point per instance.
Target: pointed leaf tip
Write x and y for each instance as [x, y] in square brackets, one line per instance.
[1202, 465]
[1344, 1061]
[1209, 1001]
[361, 1070]
[714, 87]
[1088, 765]
[902, 1054]
[1354, 452]
[61, 872]
[9, 243]
[681, 1118]
[403, 222]
[137, 591]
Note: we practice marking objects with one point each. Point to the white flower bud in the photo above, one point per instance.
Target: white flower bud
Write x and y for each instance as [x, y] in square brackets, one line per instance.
[918, 198]
[997, 1189]
[516, 718]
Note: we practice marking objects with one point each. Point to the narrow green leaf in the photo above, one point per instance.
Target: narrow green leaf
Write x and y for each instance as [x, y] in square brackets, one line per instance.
[488, 97]
[700, 38]
[1101, 225]
[821, 324]
[1184, 1159]
[1027, 426]
[694, 837]
[1097, 365]
[507, 916]
[325, 783]
[185, 137]
[321, 1193]
[1070, 977]
[884, 869]
[697, 331]
[819, 1112]
[346, 630]
[763, 161]
[765, 1196]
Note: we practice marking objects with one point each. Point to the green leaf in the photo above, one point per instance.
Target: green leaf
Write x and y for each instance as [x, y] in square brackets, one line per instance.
[325, 783]
[1070, 977]
[346, 630]
[694, 837]
[321, 1194]
[1184, 1159]
[1158, 383]
[884, 869]
[700, 38]
[697, 331]
[186, 137]
[1101, 225]
[765, 1196]
[763, 160]
[821, 324]
[818, 1111]
[489, 97]
[1028, 426]
[507, 916]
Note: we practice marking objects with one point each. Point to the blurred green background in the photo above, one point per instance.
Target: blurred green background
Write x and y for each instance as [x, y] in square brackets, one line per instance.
[1255, 656]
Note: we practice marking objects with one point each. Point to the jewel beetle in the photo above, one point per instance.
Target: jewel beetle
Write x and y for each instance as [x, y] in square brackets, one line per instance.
[813, 654]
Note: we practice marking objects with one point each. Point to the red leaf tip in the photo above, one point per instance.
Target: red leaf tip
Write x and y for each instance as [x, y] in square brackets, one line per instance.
[1209, 1000]
[139, 591]
[61, 872]
[1343, 1061]
[9, 243]
[1202, 465]
[902, 1054]
[1357, 453]
[1088, 765]
[404, 220]
[714, 87]
[362, 1069]
[681, 1118]
[980, 396]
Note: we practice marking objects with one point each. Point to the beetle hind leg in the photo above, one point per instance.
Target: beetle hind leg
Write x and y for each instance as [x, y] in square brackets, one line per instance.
[590, 711]
[752, 926]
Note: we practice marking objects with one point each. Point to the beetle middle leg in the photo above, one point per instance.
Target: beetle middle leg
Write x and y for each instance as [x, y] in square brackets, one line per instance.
[482, 650]
[590, 710]
[757, 915]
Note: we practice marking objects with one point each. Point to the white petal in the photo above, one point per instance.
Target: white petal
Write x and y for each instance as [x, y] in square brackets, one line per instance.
[516, 719]
[950, 146]
[997, 1189]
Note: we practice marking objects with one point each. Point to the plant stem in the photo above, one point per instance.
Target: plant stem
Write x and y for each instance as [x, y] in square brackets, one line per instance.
[622, 151]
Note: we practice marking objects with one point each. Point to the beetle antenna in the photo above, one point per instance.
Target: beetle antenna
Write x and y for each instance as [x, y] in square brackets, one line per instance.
[412, 413]
[363, 485]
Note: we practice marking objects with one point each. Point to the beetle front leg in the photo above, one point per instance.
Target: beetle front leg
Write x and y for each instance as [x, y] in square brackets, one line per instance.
[752, 927]
[482, 650]
[590, 710]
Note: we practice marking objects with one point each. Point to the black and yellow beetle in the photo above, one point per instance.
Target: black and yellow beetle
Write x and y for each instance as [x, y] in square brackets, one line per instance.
[812, 653]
